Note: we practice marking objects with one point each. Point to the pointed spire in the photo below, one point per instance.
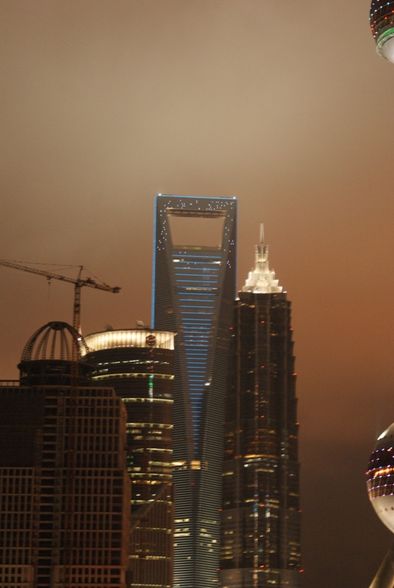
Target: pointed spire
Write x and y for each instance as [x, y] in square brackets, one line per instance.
[261, 233]
[261, 280]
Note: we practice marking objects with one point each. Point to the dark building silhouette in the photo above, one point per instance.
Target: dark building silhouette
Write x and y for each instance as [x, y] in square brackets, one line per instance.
[64, 489]
[138, 364]
[193, 295]
[260, 535]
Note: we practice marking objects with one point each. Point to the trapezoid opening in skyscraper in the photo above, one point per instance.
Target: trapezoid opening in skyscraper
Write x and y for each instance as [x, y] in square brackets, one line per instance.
[193, 295]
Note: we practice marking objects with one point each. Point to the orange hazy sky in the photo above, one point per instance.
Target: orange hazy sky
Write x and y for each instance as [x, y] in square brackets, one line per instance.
[286, 105]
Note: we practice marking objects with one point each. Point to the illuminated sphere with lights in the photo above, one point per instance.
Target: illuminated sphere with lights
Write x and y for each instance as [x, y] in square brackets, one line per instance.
[381, 478]
[381, 18]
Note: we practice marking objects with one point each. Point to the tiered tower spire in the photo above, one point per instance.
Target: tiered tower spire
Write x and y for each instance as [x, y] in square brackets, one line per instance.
[261, 280]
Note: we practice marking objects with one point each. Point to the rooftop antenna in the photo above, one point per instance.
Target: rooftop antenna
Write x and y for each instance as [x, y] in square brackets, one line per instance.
[261, 233]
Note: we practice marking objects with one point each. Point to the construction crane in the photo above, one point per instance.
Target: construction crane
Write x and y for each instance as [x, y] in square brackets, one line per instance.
[78, 282]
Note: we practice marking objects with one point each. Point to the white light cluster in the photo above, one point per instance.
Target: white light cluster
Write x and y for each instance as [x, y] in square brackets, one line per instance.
[261, 279]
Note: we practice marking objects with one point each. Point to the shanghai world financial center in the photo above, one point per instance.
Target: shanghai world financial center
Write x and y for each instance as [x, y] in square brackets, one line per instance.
[193, 295]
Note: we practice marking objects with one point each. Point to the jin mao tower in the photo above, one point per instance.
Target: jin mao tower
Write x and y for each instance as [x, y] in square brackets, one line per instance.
[193, 295]
[260, 545]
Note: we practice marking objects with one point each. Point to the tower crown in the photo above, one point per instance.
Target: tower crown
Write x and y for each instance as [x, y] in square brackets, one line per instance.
[261, 279]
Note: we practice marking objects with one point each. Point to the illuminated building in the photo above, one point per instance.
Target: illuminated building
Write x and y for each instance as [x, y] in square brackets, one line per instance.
[381, 18]
[380, 475]
[64, 489]
[193, 295]
[138, 364]
[260, 533]
[380, 485]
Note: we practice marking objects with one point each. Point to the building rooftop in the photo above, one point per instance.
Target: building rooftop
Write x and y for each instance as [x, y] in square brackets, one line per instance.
[129, 338]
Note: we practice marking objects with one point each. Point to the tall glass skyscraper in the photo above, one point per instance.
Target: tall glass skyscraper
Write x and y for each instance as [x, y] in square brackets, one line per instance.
[193, 295]
[260, 545]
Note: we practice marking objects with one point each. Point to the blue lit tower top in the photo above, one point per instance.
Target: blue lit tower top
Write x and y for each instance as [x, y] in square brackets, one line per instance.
[381, 18]
[194, 263]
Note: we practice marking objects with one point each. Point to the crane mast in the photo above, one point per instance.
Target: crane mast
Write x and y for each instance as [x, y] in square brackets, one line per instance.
[78, 282]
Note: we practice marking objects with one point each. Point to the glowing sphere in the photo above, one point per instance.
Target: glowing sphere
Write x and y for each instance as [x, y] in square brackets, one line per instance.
[381, 18]
[380, 475]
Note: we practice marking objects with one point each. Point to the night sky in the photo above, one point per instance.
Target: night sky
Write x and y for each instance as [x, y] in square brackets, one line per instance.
[286, 105]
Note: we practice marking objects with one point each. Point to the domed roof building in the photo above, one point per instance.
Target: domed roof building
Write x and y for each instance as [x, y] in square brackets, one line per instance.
[381, 18]
[52, 356]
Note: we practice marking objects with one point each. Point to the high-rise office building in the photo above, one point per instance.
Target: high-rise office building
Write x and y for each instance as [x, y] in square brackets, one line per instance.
[138, 364]
[64, 489]
[193, 295]
[260, 536]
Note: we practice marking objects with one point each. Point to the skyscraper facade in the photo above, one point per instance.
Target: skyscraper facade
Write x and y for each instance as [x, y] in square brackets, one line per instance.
[193, 295]
[260, 535]
[64, 490]
[138, 364]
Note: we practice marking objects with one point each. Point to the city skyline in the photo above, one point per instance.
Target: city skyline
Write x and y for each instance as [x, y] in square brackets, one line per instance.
[105, 106]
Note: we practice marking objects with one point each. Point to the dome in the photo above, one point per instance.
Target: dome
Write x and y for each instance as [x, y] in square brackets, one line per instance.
[381, 18]
[54, 341]
[380, 476]
[52, 357]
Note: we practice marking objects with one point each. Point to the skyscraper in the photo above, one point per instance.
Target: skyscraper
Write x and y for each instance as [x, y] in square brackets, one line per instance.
[138, 364]
[193, 295]
[260, 544]
[64, 489]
